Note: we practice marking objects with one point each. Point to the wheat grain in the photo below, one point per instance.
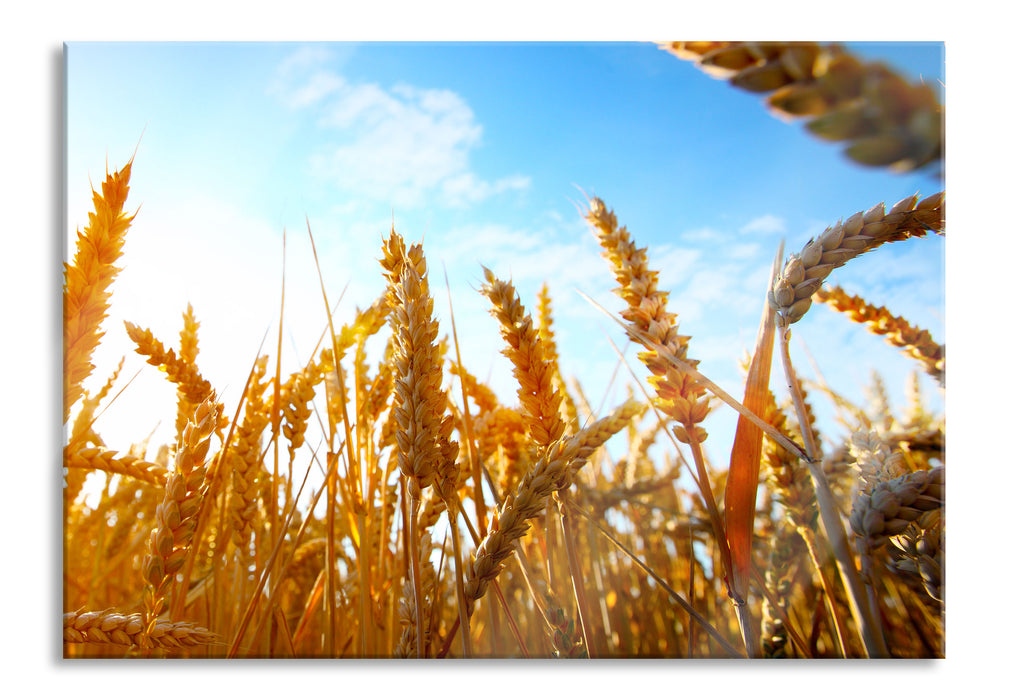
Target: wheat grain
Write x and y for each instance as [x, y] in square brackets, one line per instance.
[420, 404]
[788, 479]
[921, 552]
[890, 498]
[786, 548]
[296, 399]
[244, 458]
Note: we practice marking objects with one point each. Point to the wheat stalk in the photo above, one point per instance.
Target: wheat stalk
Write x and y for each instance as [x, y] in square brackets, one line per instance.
[426, 451]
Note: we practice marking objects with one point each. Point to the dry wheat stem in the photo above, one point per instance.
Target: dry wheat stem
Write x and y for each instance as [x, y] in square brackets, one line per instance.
[694, 614]
[869, 629]
[271, 561]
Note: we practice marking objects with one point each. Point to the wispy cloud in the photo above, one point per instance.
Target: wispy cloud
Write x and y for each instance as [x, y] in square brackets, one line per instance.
[767, 224]
[703, 234]
[400, 145]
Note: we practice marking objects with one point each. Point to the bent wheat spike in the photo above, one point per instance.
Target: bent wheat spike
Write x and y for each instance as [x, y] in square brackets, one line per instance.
[184, 374]
[111, 627]
[95, 458]
[553, 472]
[804, 273]
[915, 342]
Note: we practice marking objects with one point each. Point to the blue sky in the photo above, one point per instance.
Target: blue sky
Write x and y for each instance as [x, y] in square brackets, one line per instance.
[482, 150]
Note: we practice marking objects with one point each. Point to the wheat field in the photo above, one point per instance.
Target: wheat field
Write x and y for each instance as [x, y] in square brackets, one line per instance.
[436, 518]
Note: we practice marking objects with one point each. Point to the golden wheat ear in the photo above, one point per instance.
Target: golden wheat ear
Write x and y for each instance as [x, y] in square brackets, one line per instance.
[884, 120]
[87, 281]
[913, 341]
[804, 273]
[534, 369]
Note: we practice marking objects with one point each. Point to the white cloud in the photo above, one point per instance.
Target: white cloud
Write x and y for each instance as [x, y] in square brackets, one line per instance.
[466, 188]
[302, 66]
[744, 251]
[319, 86]
[705, 233]
[766, 224]
[401, 146]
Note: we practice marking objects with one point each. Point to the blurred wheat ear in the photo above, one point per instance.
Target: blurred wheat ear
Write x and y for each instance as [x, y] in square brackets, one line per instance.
[884, 120]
